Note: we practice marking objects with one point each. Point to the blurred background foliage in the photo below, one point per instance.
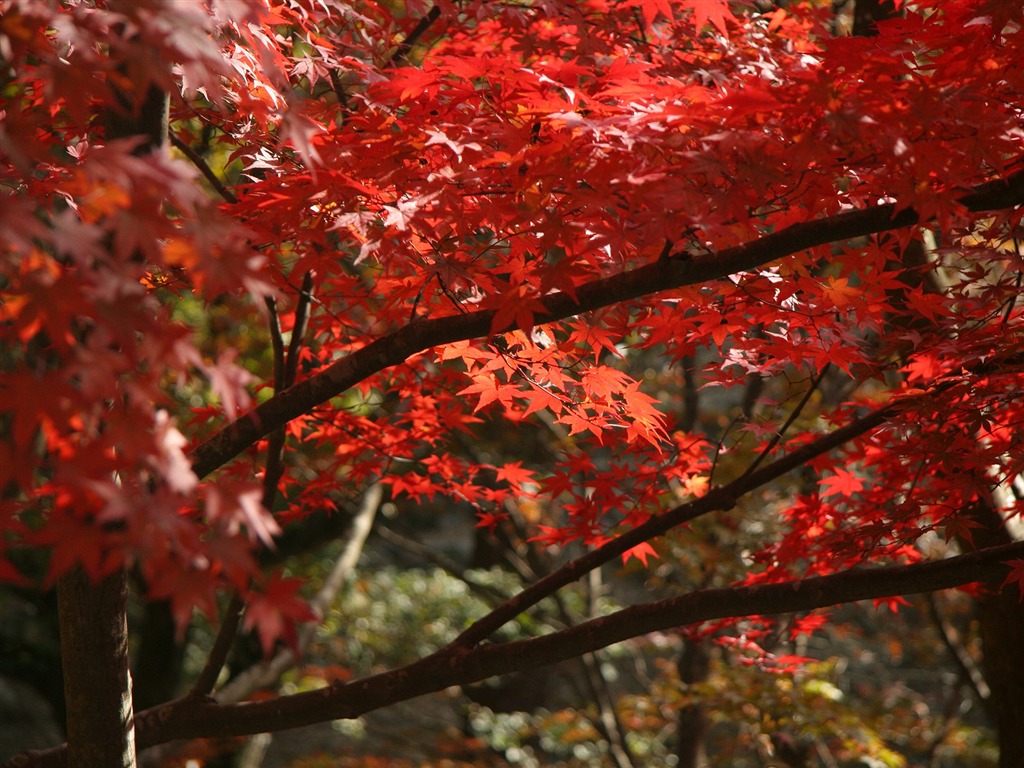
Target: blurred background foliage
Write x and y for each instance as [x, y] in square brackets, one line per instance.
[878, 688]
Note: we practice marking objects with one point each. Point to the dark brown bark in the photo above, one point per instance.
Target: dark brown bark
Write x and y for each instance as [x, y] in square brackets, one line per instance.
[1001, 623]
[867, 14]
[1001, 618]
[146, 119]
[456, 665]
[97, 683]
[693, 665]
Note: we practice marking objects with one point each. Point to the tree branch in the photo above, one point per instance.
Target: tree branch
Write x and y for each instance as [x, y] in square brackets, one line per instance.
[285, 367]
[185, 718]
[969, 671]
[204, 168]
[661, 275]
[777, 437]
[414, 36]
[206, 681]
[717, 500]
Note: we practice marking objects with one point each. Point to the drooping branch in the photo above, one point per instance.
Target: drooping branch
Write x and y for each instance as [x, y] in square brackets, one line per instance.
[661, 275]
[197, 160]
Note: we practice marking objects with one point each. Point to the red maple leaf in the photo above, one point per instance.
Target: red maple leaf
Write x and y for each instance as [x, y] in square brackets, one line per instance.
[715, 11]
[275, 612]
[1015, 576]
[842, 483]
[514, 473]
[641, 552]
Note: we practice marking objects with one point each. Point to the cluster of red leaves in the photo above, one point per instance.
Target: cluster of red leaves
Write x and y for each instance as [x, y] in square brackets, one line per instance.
[531, 150]
[93, 464]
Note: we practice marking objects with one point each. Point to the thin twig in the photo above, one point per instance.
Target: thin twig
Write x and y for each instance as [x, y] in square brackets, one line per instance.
[285, 367]
[206, 681]
[414, 36]
[964, 661]
[339, 92]
[291, 364]
[275, 440]
[1013, 299]
[277, 342]
[608, 716]
[489, 594]
[815, 383]
[207, 678]
[607, 721]
[204, 168]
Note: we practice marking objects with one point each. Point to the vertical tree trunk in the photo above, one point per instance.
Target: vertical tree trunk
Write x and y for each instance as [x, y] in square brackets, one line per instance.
[1002, 636]
[93, 616]
[1001, 626]
[97, 684]
[693, 665]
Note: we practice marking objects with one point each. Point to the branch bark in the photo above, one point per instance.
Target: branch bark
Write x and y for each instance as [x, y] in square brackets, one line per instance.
[187, 718]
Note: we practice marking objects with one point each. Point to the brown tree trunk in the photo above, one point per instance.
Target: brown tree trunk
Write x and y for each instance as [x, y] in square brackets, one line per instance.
[1002, 635]
[97, 684]
[693, 665]
[1001, 622]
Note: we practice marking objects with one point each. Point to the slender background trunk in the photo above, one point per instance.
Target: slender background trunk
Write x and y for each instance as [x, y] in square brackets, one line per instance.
[1001, 626]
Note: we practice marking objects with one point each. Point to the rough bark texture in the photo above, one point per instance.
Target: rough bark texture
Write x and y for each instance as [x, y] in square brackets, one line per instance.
[97, 683]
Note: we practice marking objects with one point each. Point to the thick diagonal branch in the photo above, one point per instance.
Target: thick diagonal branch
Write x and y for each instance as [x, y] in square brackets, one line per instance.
[462, 667]
[187, 718]
[664, 274]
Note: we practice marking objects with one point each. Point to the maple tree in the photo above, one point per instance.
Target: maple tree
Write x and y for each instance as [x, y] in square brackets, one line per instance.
[260, 257]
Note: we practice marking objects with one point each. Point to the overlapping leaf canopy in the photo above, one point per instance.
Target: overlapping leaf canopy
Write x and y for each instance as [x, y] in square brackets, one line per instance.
[501, 207]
